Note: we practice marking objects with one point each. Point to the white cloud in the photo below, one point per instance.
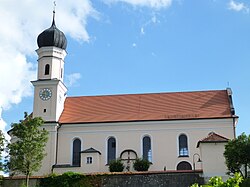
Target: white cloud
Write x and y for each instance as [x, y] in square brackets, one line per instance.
[72, 79]
[156, 4]
[134, 45]
[142, 31]
[20, 25]
[3, 125]
[236, 6]
[152, 21]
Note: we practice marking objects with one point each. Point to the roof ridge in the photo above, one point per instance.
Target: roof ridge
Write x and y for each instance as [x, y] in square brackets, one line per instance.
[149, 93]
[211, 134]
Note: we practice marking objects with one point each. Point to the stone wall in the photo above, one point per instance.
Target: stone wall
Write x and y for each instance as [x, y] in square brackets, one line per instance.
[135, 179]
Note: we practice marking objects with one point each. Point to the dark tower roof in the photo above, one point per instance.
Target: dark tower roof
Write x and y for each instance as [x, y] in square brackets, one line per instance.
[52, 37]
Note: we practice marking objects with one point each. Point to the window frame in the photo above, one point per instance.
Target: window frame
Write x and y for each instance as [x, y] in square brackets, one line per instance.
[149, 157]
[107, 149]
[47, 69]
[89, 160]
[183, 151]
[72, 153]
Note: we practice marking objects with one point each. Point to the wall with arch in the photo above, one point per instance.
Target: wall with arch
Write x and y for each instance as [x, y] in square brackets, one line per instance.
[129, 135]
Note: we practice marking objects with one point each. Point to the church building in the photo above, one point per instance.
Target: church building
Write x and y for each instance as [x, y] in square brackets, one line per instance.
[174, 131]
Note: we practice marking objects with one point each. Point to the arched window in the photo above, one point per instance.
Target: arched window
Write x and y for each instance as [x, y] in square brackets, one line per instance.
[46, 69]
[184, 166]
[183, 145]
[76, 159]
[111, 149]
[146, 148]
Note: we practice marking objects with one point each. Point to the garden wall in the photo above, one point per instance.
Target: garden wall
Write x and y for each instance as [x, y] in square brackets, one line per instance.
[135, 179]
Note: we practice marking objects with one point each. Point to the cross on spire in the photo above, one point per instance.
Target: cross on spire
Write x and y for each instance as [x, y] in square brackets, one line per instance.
[54, 12]
[54, 9]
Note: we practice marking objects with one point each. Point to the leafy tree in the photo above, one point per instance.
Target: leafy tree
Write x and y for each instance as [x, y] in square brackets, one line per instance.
[237, 154]
[26, 151]
[2, 142]
[218, 182]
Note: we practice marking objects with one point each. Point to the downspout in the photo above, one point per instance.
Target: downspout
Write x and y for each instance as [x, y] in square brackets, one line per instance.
[53, 166]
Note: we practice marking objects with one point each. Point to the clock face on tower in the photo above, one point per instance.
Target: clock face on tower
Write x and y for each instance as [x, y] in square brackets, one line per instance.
[45, 94]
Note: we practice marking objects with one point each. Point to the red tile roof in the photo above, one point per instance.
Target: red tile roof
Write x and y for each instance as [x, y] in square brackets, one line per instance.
[213, 138]
[143, 107]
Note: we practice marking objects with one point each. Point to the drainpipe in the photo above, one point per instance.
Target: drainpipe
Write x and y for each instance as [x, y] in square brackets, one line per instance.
[57, 130]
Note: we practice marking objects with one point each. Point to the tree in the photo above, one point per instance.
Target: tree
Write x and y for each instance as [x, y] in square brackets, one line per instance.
[2, 142]
[26, 151]
[218, 182]
[237, 154]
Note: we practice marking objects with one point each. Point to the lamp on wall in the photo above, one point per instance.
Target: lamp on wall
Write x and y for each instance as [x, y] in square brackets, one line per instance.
[199, 160]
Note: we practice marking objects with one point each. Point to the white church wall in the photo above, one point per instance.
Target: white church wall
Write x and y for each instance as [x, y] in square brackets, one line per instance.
[50, 150]
[213, 160]
[164, 139]
[94, 165]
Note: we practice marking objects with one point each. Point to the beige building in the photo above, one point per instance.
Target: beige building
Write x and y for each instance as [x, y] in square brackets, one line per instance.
[174, 131]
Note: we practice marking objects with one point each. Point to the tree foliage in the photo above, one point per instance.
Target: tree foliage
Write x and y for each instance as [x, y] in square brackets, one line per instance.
[26, 150]
[2, 143]
[218, 182]
[237, 154]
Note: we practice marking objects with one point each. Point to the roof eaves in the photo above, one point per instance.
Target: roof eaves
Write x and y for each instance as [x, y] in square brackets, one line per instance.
[79, 122]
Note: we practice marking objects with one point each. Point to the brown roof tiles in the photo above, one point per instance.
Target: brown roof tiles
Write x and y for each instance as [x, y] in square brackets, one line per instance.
[213, 138]
[143, 107]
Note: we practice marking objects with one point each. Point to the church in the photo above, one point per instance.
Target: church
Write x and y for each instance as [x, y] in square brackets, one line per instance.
[174, 131]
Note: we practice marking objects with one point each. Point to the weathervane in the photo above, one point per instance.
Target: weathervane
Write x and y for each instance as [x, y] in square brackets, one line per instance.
[54, 9]
[54, 12]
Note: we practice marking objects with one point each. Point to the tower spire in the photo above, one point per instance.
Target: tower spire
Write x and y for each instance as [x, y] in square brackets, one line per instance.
[54, 12]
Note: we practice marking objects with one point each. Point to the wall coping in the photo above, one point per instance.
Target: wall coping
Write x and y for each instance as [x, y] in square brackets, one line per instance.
[117, 173]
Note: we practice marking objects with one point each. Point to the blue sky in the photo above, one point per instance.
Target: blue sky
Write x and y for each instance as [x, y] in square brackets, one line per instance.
[129, 46]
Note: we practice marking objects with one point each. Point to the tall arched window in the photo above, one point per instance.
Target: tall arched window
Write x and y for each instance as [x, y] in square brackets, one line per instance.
[184, 166]
[76, 159]
[146, 148]
[183, 145]
[46, 69]
[111, 149]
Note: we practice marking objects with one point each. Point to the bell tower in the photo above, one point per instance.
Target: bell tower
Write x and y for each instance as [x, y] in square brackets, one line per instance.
[50, 91]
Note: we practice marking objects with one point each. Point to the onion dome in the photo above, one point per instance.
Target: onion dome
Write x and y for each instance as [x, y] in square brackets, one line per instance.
[52, 37]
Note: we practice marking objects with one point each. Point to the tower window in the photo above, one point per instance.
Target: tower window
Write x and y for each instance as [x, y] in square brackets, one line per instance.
[47, 67]
[44, 110]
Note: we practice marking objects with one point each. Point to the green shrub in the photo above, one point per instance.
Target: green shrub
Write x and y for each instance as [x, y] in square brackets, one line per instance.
[141, 164]
[68, 179]
[245, 183]
[217, 182]
[116, 166]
